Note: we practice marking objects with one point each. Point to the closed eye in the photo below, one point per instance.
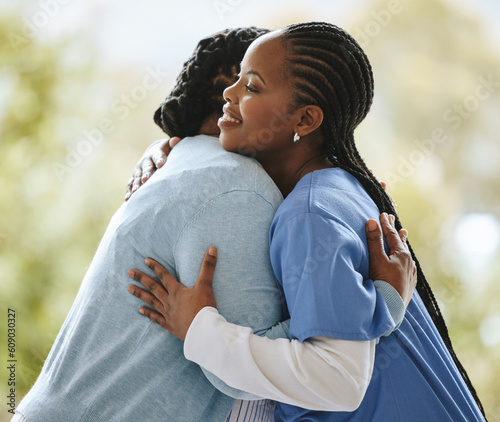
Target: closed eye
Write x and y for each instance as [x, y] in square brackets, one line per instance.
[250, 89]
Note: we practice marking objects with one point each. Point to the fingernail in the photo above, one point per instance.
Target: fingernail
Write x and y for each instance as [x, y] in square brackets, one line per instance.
[212, 251]
[405, 234]
[392, 219]
[130, 289]
[130, 273]
[147, 261]
[372, 225]
[141, 311]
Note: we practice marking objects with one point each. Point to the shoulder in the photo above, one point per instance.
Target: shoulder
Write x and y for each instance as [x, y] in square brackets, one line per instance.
[204, 162]
[324, 195]
[311, 233]
[329, 203]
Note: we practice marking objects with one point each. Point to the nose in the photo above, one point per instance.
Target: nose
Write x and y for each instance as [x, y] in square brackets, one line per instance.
[229, 93]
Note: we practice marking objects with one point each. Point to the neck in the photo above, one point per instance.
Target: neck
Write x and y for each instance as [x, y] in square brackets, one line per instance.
[287, 171]
[209, 126]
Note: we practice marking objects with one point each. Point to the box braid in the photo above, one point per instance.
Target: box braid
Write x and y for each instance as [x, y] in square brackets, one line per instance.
[197, 94]
[328, 68]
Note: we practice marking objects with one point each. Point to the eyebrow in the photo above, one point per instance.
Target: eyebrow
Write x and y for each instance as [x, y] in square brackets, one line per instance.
[254, 72]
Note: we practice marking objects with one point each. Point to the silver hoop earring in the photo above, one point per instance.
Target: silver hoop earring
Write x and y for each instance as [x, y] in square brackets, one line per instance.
[296, 137]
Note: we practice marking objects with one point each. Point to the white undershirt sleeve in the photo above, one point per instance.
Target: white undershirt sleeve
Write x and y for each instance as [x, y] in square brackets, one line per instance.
[320, 373]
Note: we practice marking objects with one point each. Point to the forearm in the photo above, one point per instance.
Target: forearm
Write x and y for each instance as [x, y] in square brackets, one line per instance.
[226, 389]
[280, 330]
[320, 374]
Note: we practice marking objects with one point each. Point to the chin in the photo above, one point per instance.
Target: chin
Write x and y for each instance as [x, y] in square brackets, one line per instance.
[224, 142]
[234, 144]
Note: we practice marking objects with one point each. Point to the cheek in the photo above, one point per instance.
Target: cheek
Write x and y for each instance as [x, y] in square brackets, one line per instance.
[254, 115]
[258, 118]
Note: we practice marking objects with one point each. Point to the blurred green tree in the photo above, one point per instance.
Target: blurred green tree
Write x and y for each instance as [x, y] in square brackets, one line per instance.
[35, 245]
[60, 137]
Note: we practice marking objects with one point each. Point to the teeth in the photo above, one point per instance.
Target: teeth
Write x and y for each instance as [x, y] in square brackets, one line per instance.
[228, 118]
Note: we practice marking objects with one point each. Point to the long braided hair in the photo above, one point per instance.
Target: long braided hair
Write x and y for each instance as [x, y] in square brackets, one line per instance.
[197, 94]
[329, 69]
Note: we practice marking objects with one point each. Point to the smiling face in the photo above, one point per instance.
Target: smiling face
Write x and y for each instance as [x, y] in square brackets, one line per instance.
[258, 118]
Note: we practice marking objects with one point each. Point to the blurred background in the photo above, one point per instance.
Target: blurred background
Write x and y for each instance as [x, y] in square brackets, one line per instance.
[80, 81]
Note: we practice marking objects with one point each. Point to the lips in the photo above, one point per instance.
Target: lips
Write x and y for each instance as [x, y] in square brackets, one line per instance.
[229, 117]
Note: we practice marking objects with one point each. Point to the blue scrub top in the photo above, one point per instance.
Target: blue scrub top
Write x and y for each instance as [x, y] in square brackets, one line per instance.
[320, 259]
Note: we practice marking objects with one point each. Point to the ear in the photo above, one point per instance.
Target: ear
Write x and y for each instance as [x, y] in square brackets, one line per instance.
[311, 117]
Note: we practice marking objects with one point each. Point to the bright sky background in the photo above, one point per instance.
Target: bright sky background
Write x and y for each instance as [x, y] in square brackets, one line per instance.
[154, 31]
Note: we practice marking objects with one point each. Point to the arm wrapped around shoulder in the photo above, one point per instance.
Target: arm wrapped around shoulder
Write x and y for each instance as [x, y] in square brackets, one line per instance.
[320, 373]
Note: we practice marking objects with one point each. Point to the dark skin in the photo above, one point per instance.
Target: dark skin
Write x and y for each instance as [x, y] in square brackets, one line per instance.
[261, 99]
[261, 94]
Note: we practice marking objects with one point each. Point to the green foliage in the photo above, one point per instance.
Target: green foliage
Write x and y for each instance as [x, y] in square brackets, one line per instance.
[55, 205]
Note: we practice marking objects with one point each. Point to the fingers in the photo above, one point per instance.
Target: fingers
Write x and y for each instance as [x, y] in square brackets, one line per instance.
[157, 293]
[398, 269]
[145, 296]
[154, 316]
[160, 156]
[161, 152]
[158, 159]
[376, 252]
[166, 279]
[207, 268]
[128, 192]
[392, 238]
[403, 235]
[157, 289]
[135, 181]
[153, 158]
[147, 169]
[165, 146]
[174, 141]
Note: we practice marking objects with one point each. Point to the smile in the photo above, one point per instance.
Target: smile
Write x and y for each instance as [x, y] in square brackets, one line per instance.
[227, 118]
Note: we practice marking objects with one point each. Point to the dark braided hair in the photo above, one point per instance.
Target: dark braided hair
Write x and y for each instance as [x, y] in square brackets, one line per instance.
[328, 68]
[197, 94]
